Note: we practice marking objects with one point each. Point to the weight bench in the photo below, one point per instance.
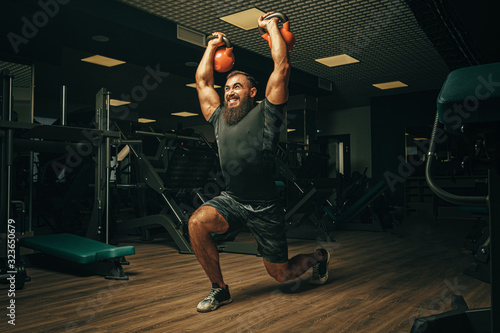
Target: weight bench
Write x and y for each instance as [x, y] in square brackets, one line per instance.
[354, 210]
[104, 259]
[469, 101]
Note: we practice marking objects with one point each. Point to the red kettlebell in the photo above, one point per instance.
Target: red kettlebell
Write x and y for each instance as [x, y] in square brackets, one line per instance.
[285, 30]
[224, 57]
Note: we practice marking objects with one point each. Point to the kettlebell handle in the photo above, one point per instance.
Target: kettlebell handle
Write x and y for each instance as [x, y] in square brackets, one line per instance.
[282, 18]
[223, 57]
[224, 39]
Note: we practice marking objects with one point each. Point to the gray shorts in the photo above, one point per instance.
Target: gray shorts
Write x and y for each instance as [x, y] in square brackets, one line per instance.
[265, 221]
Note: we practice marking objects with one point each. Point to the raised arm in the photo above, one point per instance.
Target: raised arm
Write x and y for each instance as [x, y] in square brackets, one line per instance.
[277, 85]
[209, 99]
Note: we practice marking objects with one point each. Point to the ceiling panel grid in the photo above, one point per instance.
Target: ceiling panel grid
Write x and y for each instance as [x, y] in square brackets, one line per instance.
[382, 34]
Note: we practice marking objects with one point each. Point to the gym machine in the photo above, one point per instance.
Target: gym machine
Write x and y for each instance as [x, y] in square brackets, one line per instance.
[188, 168]
[12, 266]
[304, 192]
[92, 253]
[344, 218]
[321, 201]
[469, 102]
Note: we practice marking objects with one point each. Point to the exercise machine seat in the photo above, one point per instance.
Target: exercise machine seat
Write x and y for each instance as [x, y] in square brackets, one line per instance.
[470, 95]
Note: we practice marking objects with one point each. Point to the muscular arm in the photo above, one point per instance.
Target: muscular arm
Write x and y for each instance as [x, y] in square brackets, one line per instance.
[277, 85]
[209, 99]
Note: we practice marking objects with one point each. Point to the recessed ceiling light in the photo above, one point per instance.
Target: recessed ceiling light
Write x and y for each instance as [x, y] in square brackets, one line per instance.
[146, 120]
[193, 85]
[103, 61]
[100, 38]
[290, 130]
[390, 85]
[245, 20]
[184, 114]
[338, 60]
[117, 102]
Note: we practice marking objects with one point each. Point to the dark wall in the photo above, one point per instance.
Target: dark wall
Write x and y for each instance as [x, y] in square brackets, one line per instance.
[390, 116]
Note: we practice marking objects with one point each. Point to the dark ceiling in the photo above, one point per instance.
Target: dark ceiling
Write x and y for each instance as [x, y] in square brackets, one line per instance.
[417, 42]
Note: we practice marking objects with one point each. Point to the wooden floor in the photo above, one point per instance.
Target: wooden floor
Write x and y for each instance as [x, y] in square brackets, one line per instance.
[379, 282]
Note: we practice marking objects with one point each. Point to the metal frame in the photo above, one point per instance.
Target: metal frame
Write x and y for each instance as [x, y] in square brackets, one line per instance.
[479, 320]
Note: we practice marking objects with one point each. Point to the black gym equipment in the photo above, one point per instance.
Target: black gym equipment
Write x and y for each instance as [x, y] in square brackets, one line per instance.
[189, 161]
[12, 268]
[99, 223]
[304, 216]
[329, 203]
[478, 242]
[360, 205]
[17, 136]
[344, 218]
[469, 101]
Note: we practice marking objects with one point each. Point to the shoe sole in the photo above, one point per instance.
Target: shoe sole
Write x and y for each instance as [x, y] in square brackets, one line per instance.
[323, 279]
[216, 306]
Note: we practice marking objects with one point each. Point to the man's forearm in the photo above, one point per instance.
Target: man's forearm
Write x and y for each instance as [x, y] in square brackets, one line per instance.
[205, 71]
[279, 51]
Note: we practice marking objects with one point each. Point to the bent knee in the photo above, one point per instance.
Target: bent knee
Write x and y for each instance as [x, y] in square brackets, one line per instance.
[208, 219]
[195, 221]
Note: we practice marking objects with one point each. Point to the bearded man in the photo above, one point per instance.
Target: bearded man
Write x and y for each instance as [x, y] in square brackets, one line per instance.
[247, 138]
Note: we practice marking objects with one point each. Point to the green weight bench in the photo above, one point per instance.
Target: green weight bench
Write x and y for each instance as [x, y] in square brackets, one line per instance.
[101, 258]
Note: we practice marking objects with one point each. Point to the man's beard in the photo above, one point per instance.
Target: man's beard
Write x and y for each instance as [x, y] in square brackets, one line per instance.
[236, 113]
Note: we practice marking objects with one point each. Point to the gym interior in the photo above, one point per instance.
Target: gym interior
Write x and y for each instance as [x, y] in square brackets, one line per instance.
[389, 160]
